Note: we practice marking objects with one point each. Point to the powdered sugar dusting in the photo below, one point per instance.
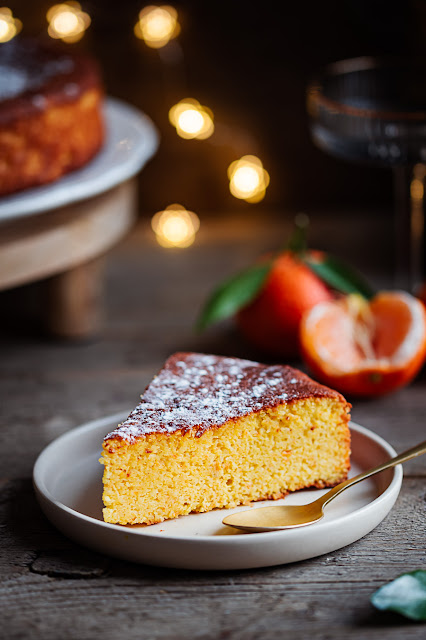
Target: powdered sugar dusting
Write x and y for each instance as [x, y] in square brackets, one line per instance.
[197, 391]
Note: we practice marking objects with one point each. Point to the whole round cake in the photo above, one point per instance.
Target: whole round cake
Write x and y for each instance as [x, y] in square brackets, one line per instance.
[50, 113]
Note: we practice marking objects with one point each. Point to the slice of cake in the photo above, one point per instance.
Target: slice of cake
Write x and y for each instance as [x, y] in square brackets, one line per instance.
[215, 432]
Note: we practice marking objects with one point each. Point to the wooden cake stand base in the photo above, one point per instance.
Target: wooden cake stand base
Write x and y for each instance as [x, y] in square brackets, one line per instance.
[64, 247]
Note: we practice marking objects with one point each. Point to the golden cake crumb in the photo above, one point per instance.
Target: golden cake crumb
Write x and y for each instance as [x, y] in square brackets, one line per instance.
[215, 432]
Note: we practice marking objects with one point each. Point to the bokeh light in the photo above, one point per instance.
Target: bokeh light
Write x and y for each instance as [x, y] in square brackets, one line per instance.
[175, 226]
[157, 25]
[67, 22]
[9, 26]
[417, 183]
[191, 119]
[248, 179]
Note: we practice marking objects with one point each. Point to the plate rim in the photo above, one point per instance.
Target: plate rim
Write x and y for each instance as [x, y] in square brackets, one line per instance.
[24, 206]
[321, 527]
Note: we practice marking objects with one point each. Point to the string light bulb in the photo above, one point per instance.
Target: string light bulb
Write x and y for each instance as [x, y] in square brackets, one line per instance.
[417, 183]
[175, 226]
[67, 22]
[9, 26]
[248, 179]
[157, 25]
[191, 119]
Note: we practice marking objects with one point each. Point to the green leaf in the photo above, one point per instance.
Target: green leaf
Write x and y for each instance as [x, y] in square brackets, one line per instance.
[405, 595]
[339, 275]
[234, 294]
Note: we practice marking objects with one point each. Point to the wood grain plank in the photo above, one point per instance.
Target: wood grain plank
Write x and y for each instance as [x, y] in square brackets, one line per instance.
[51, 587]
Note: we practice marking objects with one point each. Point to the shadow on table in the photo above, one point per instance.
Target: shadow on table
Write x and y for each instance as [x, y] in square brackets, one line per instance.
[35, 544]
[385, 619]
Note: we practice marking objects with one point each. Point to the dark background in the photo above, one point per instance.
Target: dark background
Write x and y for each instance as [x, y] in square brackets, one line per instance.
[250, 63]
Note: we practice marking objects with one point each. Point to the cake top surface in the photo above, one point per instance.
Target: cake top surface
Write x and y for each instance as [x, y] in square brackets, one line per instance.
[198, 391]
[32, 72]
[26, 67]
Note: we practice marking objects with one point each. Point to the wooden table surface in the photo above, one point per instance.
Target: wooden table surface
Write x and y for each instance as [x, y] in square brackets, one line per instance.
[52, 588]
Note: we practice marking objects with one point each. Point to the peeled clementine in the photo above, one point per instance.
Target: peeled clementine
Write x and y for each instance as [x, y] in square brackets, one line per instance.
[271, 322]
[365, 348]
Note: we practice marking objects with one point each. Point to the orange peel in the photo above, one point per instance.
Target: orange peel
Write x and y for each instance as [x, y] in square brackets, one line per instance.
[365, 348]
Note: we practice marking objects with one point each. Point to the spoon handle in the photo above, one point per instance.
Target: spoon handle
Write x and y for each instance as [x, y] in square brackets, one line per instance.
[402, 457]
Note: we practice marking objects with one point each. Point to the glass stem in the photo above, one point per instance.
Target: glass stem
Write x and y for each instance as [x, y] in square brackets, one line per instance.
[409, 184]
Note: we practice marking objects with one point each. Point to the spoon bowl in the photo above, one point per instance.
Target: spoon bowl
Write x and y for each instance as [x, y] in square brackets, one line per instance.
[272, 518]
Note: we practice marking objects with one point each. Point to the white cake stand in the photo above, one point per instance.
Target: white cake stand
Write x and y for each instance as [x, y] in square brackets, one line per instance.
[59, 232]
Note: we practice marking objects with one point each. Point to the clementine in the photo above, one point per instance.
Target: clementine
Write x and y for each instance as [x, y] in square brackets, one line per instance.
[271, 322]
[365, 348]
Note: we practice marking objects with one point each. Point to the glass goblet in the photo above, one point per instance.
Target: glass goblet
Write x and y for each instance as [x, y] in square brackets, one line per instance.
[373, 111]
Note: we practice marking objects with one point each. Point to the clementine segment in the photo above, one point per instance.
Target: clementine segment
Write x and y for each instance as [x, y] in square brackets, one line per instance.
[365, 348]
[271, 322]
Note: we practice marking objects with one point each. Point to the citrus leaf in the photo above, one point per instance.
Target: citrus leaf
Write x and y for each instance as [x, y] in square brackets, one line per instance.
[339, 275]
[405, 595]
[234, 294]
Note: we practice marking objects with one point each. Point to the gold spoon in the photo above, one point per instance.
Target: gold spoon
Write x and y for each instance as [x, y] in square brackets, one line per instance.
[279, 517]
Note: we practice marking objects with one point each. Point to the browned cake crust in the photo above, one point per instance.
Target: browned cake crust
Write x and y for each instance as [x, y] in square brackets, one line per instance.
[50, 113]
[196, 392]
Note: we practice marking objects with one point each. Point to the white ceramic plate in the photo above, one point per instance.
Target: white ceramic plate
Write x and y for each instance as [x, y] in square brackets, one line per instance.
[68, 483]
[131, 140]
